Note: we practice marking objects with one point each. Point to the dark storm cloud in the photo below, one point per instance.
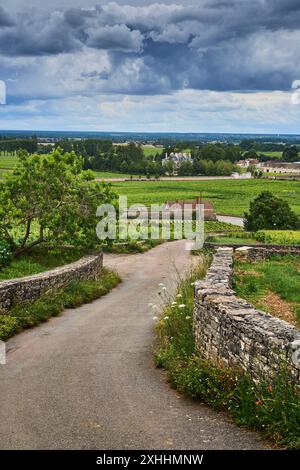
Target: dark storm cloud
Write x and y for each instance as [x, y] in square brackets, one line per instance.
[159, 48]
[5, 19]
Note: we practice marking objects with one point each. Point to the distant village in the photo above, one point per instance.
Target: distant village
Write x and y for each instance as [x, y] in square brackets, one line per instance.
[278, 167]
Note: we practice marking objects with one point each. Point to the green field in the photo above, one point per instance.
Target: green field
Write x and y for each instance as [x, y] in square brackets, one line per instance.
[148, 150]
[7, 162]
[273, 154]
[110, 174]
[231, 197]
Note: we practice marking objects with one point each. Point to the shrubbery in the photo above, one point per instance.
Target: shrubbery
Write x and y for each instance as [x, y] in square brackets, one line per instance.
[280, 237]
[270, 212]
[5, 253]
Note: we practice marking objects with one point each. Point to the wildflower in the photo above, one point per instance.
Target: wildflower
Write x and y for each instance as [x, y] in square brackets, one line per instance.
[258, 402]
[164, 288]
[192, 284]
[187, 318]
[182, 306]
[174, 303]
[166, 318]
[155, 318]
[161, 284]
[179, 295]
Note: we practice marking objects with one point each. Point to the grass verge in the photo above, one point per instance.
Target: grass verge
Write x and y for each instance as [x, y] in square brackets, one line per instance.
[38, 261]
[280, 276]
[51, 305]
[272, 408]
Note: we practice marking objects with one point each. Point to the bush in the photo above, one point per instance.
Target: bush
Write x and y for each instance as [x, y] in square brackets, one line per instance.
[8, 326]
[270, 212]
[5, 253]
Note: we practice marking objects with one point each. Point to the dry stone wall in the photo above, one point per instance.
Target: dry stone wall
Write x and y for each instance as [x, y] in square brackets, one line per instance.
[231, 332]
[30, 288]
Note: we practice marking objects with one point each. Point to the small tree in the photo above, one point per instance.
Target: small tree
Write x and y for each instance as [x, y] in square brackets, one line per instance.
[271, 213]
[49, 199]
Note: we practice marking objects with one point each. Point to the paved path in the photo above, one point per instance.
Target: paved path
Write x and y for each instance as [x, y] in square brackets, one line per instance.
[86, 380]
[231, 220]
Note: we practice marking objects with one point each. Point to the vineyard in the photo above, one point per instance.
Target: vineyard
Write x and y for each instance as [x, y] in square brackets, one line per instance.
[278, 237]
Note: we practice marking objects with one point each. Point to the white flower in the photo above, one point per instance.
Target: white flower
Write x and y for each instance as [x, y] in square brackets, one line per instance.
[154, 307]
[161, 284]
[182, 306]
[166, 318]
[192, 284]
[164, 288]
[179, 295]
[174, 303]
[187, 318]
[155, 318]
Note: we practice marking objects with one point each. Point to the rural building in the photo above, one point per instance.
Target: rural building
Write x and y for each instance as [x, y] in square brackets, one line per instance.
[209, 211]
[280, 167]
[248, 162]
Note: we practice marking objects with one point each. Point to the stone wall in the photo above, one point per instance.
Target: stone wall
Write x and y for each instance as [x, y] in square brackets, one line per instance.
[231, 332]
[260, 253]
[30, 288]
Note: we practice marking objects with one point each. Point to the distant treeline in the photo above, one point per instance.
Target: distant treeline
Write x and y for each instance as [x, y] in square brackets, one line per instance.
[209, 159]
[13, 145]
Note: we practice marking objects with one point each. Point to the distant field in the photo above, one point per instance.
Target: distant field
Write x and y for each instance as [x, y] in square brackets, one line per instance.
[110, 174]
[148, 150]
[273, 154]
[230, 197]
[7, 162]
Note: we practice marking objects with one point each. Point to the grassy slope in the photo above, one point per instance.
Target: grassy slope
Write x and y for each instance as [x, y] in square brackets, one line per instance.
[278, 275]
[229, 196]
[8, 162]
[37, 262]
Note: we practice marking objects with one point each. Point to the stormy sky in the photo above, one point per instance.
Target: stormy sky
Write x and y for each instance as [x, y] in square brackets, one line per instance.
[198, 66]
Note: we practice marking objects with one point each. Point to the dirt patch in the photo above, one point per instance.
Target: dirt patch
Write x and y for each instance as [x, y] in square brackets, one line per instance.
[240, 272]
[279, 308]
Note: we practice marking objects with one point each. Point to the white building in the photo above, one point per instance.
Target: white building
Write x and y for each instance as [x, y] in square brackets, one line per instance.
[177, 158]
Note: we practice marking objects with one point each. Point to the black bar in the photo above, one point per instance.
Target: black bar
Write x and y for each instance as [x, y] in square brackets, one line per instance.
[128, 459]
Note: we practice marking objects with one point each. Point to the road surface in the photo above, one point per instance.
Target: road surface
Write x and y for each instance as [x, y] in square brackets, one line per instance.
[86, 380]
[231, 220]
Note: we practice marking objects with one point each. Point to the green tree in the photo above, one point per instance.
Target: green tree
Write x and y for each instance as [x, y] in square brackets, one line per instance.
[270, 212]
[290, 154]
[48, 199]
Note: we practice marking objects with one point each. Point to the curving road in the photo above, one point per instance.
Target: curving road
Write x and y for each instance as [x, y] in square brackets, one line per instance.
[86, 380]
